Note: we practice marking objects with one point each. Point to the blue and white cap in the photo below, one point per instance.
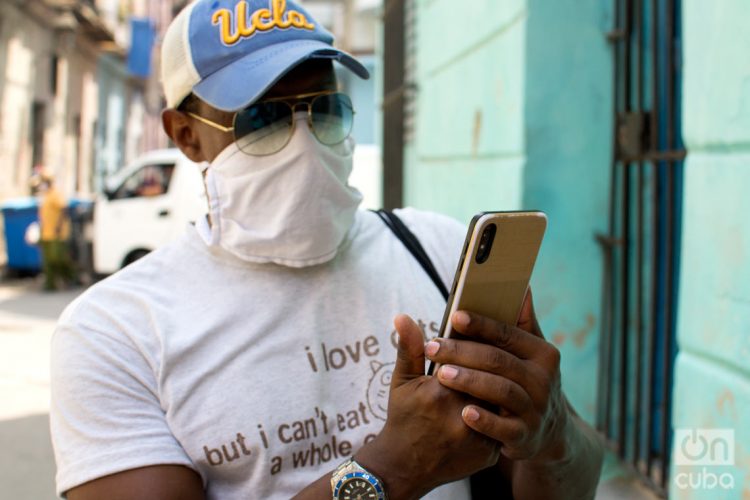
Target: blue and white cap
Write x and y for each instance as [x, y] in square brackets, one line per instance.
[230, 52]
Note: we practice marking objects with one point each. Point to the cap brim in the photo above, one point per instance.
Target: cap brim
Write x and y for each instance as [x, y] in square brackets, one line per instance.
[243, 82]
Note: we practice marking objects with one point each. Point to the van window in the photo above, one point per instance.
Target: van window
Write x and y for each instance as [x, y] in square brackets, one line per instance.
[150, 180]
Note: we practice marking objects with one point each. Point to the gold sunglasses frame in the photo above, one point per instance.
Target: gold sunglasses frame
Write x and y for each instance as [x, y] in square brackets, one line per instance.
[286, 100]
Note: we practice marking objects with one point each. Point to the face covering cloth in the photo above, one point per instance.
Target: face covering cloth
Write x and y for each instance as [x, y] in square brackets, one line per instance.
[293, 208]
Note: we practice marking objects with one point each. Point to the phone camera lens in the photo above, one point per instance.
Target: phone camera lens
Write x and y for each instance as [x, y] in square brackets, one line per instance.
[485, 244]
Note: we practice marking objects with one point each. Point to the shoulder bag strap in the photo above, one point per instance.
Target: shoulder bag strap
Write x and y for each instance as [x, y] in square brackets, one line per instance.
[412, 244]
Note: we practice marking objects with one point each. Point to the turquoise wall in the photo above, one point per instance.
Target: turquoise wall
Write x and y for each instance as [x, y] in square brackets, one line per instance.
[514, 111]
[468, 150]
[568, 129]
[712, 373]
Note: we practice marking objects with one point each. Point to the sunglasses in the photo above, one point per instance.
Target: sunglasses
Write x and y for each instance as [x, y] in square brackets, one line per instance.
[266, 127]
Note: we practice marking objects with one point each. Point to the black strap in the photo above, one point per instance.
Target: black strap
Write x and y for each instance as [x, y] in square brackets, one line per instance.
[412, 244]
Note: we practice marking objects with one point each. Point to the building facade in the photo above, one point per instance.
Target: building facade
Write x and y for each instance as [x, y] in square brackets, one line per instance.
[627, 123]
[48, 71]
[712, 374]
[67, 98]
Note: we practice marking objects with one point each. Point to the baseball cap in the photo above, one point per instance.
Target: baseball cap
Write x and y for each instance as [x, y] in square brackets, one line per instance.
[230, 52]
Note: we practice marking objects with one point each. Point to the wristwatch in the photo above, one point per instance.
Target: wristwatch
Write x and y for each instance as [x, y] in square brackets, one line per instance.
[351, 481]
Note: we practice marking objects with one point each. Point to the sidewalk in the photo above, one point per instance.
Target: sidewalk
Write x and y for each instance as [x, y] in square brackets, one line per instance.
[27, 319]
[620, 483]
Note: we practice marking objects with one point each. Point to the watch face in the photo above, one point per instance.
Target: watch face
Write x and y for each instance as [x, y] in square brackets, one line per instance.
[357, 488]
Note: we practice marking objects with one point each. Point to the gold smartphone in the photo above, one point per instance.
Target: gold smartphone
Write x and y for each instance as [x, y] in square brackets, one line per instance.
[495, 267]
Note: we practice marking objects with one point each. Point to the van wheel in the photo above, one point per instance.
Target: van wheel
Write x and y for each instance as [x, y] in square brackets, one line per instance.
[133, 256]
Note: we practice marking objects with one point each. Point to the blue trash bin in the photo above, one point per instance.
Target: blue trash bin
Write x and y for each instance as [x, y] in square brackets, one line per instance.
[19, 214]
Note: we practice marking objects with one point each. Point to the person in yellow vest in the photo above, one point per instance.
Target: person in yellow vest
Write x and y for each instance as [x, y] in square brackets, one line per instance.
[55, 233]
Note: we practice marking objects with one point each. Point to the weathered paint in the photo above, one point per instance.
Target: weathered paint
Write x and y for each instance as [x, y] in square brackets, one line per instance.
[712, 373]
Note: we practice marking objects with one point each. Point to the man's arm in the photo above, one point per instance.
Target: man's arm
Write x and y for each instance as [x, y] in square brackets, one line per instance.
[573, 474]
[163, 482]
[571, 471]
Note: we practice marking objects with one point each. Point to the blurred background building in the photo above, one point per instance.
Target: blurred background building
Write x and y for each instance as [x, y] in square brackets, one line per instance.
[79, 93]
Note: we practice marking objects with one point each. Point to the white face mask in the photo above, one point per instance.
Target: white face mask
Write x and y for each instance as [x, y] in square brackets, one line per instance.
[292, 208]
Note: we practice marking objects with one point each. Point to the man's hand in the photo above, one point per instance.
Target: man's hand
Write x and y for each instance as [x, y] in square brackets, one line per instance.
[513, 369]
[425, 442]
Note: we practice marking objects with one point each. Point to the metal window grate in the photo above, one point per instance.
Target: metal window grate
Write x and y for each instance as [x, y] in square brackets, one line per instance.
[641, 251]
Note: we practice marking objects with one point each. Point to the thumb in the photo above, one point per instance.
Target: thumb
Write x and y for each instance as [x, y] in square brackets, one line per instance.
[410, 359]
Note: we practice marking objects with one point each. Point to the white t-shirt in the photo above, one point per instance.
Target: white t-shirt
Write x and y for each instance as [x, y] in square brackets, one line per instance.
[259, 377]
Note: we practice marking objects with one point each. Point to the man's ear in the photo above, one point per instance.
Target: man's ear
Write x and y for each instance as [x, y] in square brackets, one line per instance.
[182, 131]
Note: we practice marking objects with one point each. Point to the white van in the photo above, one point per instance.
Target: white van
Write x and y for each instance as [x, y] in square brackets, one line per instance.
[145, 205]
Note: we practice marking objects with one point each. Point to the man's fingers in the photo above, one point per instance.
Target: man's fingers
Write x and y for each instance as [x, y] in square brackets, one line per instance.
[478, 356]
[511, 431]
[496, 390]
[410, 359]
[509, 338]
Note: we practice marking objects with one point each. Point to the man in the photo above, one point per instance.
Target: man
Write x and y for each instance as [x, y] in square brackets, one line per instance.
[254, 357]
[54, 227]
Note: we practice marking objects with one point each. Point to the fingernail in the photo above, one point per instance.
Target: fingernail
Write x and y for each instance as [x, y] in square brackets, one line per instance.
[431, 348]
[471, 414]
[448, 373]
[461, 318]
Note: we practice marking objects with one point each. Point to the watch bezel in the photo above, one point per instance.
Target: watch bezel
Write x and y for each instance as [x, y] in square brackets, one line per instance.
[372, 480]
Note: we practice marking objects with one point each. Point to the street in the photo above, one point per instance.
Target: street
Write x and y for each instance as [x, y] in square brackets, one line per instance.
[27, 319]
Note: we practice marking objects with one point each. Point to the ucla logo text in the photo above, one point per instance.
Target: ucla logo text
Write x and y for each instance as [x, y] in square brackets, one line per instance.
[261, 20]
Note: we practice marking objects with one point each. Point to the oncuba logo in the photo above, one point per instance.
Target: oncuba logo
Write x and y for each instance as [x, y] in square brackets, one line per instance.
[704, 459]
[236, 25]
